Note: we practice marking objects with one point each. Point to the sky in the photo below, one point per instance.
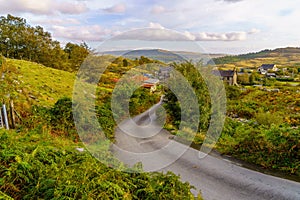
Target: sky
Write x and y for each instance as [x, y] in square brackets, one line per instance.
[217, 26]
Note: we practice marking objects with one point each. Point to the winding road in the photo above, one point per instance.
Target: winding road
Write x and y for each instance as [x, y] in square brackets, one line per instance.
[216, 177]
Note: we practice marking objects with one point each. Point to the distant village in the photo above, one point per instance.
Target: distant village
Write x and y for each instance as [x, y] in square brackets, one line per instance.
[258, 76]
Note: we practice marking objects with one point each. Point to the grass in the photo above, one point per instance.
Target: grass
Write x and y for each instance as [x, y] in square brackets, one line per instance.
[36, 84]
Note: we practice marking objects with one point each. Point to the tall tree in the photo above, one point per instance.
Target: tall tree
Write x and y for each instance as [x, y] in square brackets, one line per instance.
[19, 40]
[76, 54]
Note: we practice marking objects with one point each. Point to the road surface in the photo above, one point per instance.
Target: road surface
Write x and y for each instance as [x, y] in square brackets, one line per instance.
[216, 177]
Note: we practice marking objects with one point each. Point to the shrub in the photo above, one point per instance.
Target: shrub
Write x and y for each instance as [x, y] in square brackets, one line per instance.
[232, 92]
[268, 118]
[61, 116]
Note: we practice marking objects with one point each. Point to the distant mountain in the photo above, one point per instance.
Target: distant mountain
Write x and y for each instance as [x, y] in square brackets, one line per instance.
[164, 55]
[280, 52]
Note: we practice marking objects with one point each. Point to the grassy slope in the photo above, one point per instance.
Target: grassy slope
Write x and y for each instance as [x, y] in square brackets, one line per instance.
[36, 84]
[285, 57]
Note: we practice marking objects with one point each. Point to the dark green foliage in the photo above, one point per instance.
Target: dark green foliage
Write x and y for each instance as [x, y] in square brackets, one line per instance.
[274, 147]
[194, 78]
[19, 40]
[76, 54]
[232, 92]
[285, 79]
[141, 100]
[173, 108]
[61, 117]
[105, 119]
[35, 166]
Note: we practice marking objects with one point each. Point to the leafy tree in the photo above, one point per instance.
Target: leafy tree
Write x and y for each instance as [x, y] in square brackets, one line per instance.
[76, 54]
[192, 75]
[19, 40]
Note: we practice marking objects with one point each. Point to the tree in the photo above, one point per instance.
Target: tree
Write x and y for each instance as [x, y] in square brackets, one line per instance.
[19, 40]
[76, 54]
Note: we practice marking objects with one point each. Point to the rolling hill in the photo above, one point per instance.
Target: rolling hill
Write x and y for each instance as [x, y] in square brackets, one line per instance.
[283, 57]
[164, 55]
[29, 83]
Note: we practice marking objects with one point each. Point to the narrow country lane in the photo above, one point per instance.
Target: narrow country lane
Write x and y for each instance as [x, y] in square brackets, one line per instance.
[216, 177]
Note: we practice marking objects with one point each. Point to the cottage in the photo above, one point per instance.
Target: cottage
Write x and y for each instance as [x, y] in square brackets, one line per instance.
[164, 72]
[265, 68]
[151, 84]
[228, 76]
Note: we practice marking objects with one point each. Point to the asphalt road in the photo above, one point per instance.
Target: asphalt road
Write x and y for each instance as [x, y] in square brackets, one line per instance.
[216, 177]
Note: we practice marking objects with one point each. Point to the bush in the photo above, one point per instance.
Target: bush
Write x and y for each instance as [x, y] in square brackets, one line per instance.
[61, 116]
[53, 169]
[267, 118]
[233, 92]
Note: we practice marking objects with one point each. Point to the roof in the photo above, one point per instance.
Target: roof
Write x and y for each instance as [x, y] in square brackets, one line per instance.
[151, 81]
[223, 73]
[267, 66]
[140, 78]
[145, 85]
[165, 69]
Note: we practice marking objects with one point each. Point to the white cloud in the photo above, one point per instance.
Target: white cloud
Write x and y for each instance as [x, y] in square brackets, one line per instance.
[118, 8]
[57, 21]
[232, 36]
[152, 34]
[158, 33]
[42, 7]
[155, 25]
[81, 33]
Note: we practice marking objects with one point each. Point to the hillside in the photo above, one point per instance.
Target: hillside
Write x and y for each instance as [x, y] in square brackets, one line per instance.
[29, 83]
[283, 57]
[164, 55]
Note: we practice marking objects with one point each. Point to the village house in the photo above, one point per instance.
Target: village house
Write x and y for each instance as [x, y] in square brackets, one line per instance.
[164, 72]
[151, 83]
[228, 76]
[265, 68]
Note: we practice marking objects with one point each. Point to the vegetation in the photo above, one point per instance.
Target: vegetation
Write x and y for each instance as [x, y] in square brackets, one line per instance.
[267, 53]
[36, 164]
[19, 40]
[272, 146]
[43, 159]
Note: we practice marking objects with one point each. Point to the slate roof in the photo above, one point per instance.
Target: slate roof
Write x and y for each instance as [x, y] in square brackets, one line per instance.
[223, 73]
[267, 66]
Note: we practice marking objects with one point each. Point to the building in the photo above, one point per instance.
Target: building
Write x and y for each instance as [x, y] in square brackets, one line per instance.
[151, 83]
[164, 72]
[228, 76]
[265, 68]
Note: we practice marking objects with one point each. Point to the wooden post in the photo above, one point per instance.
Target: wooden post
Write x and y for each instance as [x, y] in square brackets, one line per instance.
[5, 117]
[12, 114]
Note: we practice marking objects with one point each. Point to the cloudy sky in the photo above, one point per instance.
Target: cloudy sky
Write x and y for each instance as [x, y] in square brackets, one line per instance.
[219, 26]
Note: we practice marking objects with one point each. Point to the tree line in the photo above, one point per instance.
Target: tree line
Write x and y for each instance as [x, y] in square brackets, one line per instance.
[19, 40]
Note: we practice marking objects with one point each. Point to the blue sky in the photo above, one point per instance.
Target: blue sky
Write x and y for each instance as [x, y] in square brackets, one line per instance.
[219, 26]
